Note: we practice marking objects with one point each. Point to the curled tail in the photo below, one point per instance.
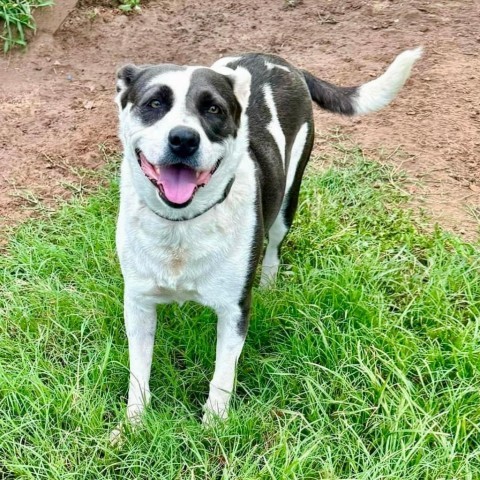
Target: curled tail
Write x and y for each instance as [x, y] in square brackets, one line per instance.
[366, 98]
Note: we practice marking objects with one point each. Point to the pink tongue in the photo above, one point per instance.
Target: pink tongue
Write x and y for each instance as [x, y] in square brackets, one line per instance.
[179, 183]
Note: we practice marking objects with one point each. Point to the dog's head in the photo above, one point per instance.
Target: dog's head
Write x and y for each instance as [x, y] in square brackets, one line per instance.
[180, 127]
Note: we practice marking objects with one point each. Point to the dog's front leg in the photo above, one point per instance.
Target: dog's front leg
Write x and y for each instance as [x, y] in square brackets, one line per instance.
[140, 323]
[231, 332]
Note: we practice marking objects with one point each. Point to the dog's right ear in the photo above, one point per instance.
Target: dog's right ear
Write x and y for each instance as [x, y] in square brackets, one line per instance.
[241, 80]
[125, 77]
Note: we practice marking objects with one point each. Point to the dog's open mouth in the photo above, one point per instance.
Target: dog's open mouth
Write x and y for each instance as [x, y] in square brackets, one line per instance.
[177, 184]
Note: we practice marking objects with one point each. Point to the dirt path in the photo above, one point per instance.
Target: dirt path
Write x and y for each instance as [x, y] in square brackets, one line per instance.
[56, 100]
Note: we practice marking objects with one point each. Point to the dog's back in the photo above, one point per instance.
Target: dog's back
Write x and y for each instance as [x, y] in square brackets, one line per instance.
[279, 106]
[280, 119]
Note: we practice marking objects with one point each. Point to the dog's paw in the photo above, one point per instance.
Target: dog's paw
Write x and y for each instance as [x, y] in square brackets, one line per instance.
[268, 275]
[211, 417]
[117, 436]
[215, 410]
[133, 422]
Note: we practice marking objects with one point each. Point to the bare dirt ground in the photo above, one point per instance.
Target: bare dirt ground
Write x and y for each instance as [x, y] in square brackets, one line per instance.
[56, 99]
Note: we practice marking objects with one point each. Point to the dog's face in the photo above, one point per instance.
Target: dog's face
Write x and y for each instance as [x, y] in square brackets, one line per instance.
[180, 128]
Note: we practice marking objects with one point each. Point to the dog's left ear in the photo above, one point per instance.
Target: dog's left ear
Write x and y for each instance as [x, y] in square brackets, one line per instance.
[241, 80]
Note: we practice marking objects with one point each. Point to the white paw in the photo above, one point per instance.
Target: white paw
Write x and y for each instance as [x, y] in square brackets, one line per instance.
[213, 415]
[216, 407]
[269, 274]
[134, 413]
[117, 436]
[134, 419]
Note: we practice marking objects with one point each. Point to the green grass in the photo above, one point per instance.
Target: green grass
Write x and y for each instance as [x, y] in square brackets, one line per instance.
[363, 362]
[129, 5]
[16, 18]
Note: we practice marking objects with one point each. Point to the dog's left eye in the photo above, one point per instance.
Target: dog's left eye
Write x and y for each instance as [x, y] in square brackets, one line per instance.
[155, 104]
[213, 109]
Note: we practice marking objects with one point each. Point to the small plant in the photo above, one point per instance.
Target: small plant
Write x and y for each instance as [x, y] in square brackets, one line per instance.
[291, 4]
[16, 17]
[130, 6]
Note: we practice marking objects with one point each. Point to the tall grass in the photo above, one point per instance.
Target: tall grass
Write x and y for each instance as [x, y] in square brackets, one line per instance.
[16, 18]
[363, 362]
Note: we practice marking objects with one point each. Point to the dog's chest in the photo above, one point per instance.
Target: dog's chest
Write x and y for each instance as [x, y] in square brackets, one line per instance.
[182, 263]
[205, 259]
[176, 263]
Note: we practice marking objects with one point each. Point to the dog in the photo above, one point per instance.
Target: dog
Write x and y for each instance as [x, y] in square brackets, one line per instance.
[213, 162]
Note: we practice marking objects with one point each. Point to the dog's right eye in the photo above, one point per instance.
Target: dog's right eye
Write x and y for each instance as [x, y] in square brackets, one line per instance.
[213, 109]
[155, 104]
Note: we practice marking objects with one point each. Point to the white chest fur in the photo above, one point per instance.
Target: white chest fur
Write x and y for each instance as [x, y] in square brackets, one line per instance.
[204, 259]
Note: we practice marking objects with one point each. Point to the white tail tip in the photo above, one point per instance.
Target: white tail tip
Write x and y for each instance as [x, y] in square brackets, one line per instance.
[378, 93]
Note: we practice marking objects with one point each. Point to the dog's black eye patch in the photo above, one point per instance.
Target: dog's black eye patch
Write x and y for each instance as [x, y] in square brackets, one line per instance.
[207, 104]
[155, 104]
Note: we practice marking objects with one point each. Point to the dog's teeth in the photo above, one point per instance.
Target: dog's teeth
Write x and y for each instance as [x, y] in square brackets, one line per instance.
[157, 169]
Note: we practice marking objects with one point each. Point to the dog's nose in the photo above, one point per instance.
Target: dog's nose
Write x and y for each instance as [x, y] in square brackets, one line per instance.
[183, 141]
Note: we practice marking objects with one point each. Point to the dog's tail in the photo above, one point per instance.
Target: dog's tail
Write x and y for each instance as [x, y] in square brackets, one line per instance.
[366, 98]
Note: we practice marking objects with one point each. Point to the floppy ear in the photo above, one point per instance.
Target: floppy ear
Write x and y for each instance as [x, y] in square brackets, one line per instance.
[241, 80]
[125, 77]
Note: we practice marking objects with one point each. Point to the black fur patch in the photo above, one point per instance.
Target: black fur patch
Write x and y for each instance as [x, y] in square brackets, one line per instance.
[155, 104]
[291, 201]
[294, 108]
[330, 97]
[211, 89]
[136, 81]
[255, 254]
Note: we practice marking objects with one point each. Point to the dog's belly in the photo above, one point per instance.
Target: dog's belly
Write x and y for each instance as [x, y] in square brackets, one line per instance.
[177, 295]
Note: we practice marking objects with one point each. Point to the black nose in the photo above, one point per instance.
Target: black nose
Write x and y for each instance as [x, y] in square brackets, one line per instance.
[183, 141]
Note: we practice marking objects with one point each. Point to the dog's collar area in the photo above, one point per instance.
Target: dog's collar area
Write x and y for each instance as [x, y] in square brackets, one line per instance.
[220, 200]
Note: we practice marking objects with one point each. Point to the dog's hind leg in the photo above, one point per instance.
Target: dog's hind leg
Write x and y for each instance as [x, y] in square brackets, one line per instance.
[271, 259]
[299, 156]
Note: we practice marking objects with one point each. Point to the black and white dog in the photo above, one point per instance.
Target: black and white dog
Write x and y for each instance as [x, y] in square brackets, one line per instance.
[213, 162]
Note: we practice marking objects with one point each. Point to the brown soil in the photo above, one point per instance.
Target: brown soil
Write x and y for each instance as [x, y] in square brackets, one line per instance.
[56, 100]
